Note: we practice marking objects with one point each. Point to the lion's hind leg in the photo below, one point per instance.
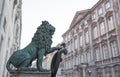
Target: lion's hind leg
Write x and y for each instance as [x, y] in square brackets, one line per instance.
[25, 66]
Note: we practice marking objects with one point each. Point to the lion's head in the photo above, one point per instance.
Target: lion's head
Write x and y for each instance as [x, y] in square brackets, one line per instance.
[43, 35]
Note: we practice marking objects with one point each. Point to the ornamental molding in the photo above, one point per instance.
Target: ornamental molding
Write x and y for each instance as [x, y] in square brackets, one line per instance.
[108, 14]
[94, 24]
[100, 19]
[104, 41]
[112, 38]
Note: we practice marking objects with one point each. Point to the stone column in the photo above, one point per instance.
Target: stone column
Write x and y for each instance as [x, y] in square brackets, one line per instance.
[84, 72]
[113, 72]
[103, 73]
[84, 65]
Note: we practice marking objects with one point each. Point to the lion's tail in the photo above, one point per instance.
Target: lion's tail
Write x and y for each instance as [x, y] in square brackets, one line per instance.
[8, 66]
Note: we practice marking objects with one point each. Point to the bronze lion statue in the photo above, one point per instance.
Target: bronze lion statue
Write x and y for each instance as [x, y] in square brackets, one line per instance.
[39, 47]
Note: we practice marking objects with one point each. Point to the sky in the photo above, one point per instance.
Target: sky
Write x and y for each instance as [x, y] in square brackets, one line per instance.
[58, 13]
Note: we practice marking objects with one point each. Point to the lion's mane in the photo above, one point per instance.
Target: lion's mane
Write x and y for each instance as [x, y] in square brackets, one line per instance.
[43, 36]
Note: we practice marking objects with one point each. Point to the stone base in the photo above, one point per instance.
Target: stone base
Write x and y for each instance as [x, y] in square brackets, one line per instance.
[30, 74]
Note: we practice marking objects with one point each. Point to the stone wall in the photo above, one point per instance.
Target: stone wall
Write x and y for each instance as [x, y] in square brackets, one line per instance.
[10, 31]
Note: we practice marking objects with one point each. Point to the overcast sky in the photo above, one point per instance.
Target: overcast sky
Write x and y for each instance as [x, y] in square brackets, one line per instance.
[59, 13]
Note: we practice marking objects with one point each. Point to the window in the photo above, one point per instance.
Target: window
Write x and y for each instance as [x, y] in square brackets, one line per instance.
[81, 41]
[74, 61]
[16, 28]
[105, 51]
[76, 44]
[93, 16]
[114, 48]
[98, 55]
[77, 60]
[65, 38]
[100, 11]
[72, 45]
[82, 59]
[85, 57]
[86, 24]
[110, 23]
[66, 64]
[87, 37]
[69, 36]
[95, 32]
[107, 5]
[69, 48]
[102, 28]
[80, 27]
[89, 56]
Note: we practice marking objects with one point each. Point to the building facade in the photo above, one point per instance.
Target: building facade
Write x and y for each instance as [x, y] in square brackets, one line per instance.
[93, 41]
[47, 61]
[10, 31]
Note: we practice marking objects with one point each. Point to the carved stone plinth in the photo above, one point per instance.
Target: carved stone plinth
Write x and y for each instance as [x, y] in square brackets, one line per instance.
[30, 74]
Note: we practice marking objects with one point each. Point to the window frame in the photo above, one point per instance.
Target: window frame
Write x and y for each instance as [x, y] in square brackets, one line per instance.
[100, 11]
[114, 48]
[109, 22]
[105, 51]
[81, 40]
[107, 5]
[98, 54]
[87, 37]
[93, 16]
[102, 24]
[95, 32]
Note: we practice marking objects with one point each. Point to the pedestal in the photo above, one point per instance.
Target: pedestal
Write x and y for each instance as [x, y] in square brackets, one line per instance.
[30, 74]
